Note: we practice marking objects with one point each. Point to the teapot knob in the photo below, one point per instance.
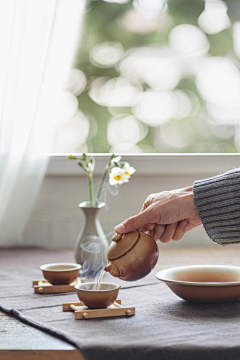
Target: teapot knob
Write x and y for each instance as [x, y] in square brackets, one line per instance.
[117, 237]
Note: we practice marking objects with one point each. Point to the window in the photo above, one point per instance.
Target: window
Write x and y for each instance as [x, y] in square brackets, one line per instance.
[156, 76]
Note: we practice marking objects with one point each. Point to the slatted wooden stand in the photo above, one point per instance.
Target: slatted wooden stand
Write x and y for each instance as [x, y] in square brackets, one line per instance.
[83, 312]
[44, 287]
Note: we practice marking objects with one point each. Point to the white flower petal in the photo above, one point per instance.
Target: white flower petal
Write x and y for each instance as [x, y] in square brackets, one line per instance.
[117, 171]
[131, 170]
[121, 175]
[116, 159]
[125, 178]
[91, 166]
[126, 165]
[112, 181]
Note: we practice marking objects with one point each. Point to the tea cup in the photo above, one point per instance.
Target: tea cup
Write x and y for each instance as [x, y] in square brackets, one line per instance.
[60, 273]
[97, 299]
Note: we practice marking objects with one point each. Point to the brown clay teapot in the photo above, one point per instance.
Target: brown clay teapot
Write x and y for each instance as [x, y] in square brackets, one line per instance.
[132, 256]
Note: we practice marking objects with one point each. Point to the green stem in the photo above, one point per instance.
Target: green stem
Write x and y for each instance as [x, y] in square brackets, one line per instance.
[108, 166]
[101, 183]
[91, 190]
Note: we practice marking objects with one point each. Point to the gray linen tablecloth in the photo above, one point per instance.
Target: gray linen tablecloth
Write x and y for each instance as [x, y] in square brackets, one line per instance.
[164, 327]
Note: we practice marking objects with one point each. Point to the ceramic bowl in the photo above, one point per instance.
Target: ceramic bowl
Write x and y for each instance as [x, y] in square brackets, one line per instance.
[60, 273]
[209, 284]
[97, 299]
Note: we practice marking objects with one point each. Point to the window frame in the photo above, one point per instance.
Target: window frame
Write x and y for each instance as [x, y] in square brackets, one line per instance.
[145, 164]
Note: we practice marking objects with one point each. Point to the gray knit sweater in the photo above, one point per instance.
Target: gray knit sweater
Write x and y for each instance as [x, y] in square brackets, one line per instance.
[218, 203]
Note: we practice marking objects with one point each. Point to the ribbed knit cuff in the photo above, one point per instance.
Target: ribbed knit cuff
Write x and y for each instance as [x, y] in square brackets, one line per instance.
[218, 203]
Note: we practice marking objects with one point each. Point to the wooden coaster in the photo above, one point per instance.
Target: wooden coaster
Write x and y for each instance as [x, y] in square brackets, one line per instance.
[44, 287]
[83, 312]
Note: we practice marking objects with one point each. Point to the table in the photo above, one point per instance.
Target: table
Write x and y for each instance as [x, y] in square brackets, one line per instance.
[21, 341]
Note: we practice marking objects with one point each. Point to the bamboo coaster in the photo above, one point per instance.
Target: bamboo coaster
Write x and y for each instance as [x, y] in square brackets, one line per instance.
[83, 312]
[44, 287]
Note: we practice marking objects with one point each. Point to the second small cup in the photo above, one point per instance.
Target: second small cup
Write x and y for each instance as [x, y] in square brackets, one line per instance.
[60, 273]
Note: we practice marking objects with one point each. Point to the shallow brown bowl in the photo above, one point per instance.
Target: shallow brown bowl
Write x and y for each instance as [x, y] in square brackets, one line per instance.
[209, 284]
[97, 299]
[60, 273]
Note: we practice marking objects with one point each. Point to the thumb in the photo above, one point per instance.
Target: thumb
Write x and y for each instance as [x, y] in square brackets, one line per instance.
[133, 223]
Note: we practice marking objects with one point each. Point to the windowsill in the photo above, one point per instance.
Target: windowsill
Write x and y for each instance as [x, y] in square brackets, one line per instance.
[153, 164]
[56, 219]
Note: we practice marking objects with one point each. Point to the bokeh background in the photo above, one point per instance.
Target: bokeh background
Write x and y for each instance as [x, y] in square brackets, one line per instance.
[155, 76]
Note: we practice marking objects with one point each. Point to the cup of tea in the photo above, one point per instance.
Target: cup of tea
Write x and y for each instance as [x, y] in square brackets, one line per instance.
[97, 299]
[60, 273]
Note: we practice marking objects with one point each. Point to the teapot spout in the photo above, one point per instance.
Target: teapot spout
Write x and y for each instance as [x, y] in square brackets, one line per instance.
[112, 269]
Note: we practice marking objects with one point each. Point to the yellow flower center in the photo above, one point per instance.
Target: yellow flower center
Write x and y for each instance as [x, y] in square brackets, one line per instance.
[127, 173]
[117, 177]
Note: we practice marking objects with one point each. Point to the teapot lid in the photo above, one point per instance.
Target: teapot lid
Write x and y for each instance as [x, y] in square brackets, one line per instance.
[123, 245]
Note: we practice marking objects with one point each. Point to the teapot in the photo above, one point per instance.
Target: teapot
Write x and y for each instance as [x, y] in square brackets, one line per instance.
[132, 256]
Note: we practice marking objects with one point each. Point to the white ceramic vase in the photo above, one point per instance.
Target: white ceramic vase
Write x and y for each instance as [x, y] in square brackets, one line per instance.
[91, 245]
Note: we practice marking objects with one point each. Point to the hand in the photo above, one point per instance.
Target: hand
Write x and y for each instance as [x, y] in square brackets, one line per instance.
[170, 213]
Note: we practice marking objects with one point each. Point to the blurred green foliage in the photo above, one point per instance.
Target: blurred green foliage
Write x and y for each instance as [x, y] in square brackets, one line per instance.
[102, 23]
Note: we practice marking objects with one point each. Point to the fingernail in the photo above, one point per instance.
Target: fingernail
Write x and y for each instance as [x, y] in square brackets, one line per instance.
[120, 228]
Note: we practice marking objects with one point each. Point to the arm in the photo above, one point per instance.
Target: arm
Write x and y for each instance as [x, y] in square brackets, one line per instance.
[213, 202]
[218, 202]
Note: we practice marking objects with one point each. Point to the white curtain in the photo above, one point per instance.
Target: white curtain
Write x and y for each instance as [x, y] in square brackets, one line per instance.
[38, 39]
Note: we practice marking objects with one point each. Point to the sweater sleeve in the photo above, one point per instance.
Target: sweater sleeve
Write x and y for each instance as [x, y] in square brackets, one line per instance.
[218, 203]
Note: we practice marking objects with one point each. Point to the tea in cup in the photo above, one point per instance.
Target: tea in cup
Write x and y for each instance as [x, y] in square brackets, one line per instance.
[60, 273]
[97, 299]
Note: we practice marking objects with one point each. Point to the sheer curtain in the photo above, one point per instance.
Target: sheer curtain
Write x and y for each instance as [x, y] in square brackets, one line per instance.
[38, 40]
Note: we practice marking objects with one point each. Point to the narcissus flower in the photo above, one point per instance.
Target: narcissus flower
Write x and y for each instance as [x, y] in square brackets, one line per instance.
[119, 173]
[129, 170]
[117, 176]
[115, 159]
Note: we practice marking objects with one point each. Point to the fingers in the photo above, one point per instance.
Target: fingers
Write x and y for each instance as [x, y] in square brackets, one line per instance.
[158, 231]
[173, 231]
[164, 233]
[168, 233]
[180, 230]
[133, 223]
[147, 227]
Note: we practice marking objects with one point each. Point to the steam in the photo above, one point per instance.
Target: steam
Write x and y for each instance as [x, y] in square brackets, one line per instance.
[95, 248]
[109, 190]
[94, 255]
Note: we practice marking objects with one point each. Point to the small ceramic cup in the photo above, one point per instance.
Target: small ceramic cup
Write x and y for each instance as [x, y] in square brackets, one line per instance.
[60, 273]
[97, 299]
